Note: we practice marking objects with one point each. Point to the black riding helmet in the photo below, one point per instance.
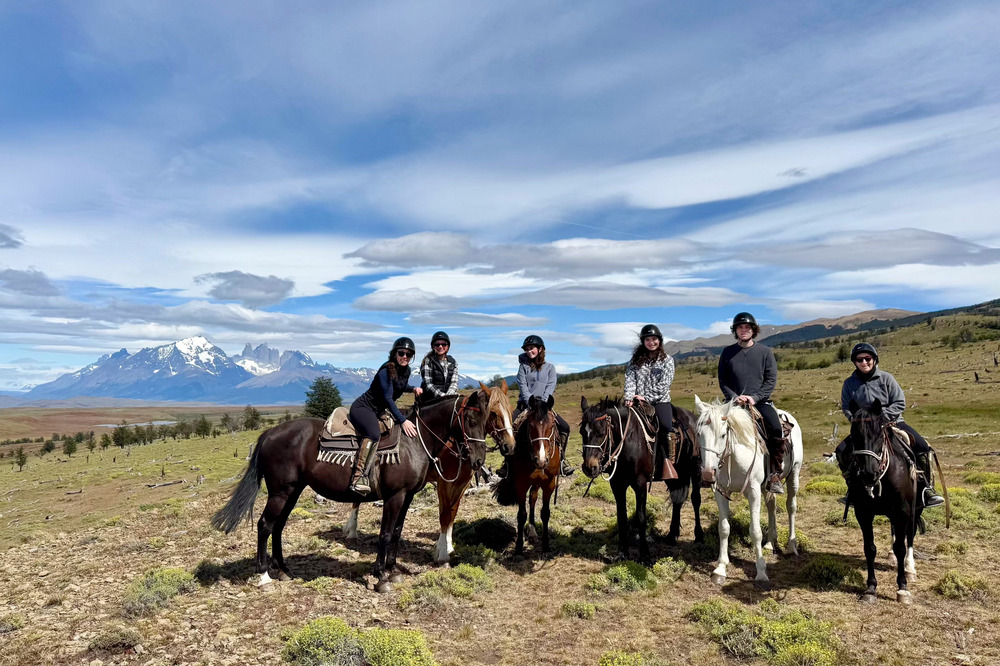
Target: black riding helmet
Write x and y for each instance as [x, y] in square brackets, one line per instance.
[403, 343]
[533, 341]
[648, 330]
[745, 318]
[861, 348]
[440, 335]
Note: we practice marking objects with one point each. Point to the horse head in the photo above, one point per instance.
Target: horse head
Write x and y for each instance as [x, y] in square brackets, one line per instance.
[867, 443]
[711, 428]
[473, 423]
[499, 421]
[541, 430]
[596, 431]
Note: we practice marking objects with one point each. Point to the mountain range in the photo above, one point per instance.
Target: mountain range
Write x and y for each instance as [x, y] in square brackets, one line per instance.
[195, 370]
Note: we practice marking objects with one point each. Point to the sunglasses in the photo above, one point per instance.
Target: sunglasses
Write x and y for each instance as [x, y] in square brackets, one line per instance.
[441, 344]
[864, 359]
[404, 354]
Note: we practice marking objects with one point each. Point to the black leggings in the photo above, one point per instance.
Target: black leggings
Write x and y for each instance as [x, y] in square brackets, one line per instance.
[772, 426]
[665, 413]
[364, 420]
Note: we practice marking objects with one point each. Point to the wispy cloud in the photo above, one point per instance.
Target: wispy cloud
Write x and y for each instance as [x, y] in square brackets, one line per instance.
[252, 290]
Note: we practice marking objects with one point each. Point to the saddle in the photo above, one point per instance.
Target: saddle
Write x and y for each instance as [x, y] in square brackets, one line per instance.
[339, 441]
[649, 421]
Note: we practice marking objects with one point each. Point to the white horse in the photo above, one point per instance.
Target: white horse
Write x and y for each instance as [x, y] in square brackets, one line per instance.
[733, 459]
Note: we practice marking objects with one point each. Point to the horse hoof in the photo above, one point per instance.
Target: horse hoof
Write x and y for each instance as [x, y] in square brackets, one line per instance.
[904, 597]
[768, 547]
[284, 575]
[868, 599]
[911, 576]
[699, 537]
[397, 578]
[265, 580]
[384, 586]
[763, 585]
[718, 579]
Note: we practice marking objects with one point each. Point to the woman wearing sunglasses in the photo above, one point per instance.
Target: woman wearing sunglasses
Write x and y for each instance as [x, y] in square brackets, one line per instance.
[391, 381]
[868, 383]
[438, 370]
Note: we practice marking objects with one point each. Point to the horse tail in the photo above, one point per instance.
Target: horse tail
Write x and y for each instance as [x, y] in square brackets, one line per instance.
[240, 505]
[503, 490]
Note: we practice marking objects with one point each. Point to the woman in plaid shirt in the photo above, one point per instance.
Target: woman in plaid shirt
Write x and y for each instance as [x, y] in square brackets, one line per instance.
[647, 379]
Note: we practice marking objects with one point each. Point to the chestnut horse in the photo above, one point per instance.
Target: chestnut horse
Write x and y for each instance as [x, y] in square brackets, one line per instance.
[456, 474]
[286, 458]
[533, 465]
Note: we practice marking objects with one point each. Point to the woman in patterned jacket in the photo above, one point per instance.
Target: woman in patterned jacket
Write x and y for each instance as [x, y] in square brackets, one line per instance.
[647, 379]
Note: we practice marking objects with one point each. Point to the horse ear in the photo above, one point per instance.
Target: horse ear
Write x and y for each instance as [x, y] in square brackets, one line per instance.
[698, 404]
[531, 401]
[583, 403]
[853, 406]
[551, 401]
[503, 385]
[484, 387]
[876, 407]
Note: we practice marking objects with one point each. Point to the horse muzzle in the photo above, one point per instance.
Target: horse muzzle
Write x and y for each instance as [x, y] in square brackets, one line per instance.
[707, 478]
[591, 468]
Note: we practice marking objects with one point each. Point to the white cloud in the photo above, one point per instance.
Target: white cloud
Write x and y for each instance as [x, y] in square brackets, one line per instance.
[475, 319]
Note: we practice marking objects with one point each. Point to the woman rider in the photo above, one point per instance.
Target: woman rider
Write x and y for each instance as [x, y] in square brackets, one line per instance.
[865, 385]
[391, 381]
[438, 370]
[536, 377]
[748, 374]
[647, 379]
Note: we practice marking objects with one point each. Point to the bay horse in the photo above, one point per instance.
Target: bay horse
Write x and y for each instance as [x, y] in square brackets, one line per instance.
[882, 481]
[614, 437]
[534, 464]
[733, 457]
[456, 474]
[285, 457]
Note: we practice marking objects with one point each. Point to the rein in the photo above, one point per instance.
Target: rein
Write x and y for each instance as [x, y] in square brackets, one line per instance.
[456, 414]
[726, 457]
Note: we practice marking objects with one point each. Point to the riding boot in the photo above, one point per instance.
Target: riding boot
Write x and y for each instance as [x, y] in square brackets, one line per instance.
[929, 496]
[667, 471]
[565, 470]
[776, 456]
[361, 479]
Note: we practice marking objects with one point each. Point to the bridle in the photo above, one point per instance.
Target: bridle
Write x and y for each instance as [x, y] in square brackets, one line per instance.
[609, 458]
[496, 432]
[550, 421]
[883, 457]
[726, 457]
[465, 448]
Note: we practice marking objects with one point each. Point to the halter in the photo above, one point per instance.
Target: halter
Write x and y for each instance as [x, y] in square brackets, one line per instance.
[550, 438]
[726, 456]
[456, 415]
[613, 456]
[499, 428]
[883, 458]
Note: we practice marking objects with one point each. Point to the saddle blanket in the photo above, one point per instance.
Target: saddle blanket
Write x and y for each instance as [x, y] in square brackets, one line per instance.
[339, 442]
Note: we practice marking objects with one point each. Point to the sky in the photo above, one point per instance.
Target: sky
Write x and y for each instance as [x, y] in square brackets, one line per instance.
[329, 176]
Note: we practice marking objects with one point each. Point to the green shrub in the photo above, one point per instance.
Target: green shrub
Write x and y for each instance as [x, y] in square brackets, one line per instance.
[623, 577]
[668, 569]
[781, 637]
[12, 622]
[990, 492]
[835, 517]
[951, 548]
[393, 647]
[956, 585]
[973, 464]
[299, 512]
[325, 640]
[154, 590]
[979, 478]
[621, 658]
[837, 488]
[462, 581]
[580, 609]
[475, 554]
[323, 584]
[966, 510]
[602, 490]
[825, 572]
[825, 469]
[117, 639]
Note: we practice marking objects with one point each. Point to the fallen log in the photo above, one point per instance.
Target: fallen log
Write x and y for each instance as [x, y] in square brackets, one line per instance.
[168, 483]
[74, 492]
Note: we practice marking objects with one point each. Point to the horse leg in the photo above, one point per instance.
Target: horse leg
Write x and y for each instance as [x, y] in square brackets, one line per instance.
[397, 532]
[449, 497]
[265, 525]
[903, 530]
[531, 531]
[390, 514]
[792, 507]
[351, 526]
[865, 521]
[699, 534]
[522, 517]
[640, 490]
[911, 565]
[756, 537]
[719, 575]
[279, 526]
[546, 496]
[621, 491]
[675, 517]
[771, 542]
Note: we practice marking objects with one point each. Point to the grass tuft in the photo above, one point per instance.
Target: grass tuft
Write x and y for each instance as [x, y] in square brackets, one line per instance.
[668, 569]
[621, 658]
[154, 590]
[990, 492]
[825, 572]
[12, 622]
[580, 609]
[116, 639]
[431, 588]
[959, 586]
[622, 578]
[952, 548]
[826, 486]
[330, 641]
[979, 478]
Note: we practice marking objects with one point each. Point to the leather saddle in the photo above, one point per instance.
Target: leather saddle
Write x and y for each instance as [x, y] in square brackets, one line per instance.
[339, 435]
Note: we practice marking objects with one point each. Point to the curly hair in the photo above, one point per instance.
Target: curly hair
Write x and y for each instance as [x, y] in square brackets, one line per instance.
[539, 360]
[642, 356]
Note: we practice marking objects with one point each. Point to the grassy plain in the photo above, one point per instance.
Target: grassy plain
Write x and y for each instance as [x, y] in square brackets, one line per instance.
[69, 559]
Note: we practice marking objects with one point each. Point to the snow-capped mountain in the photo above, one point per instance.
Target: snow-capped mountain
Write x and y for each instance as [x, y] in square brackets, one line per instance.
[194, 369]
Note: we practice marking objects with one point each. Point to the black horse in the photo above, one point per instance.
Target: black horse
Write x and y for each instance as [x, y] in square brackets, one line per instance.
[615, 441]
[286, 458]
[882, 481]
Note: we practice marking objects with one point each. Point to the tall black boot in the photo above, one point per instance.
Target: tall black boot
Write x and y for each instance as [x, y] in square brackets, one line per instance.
[929, 496]
[566, 469]
[361, 481]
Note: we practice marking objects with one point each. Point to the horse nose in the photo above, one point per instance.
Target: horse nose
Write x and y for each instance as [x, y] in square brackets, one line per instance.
[707, 478]
[591, 467]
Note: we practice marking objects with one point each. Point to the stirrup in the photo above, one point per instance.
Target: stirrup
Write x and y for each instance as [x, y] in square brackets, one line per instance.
[362, 485]
[774, 485]
[931, 498]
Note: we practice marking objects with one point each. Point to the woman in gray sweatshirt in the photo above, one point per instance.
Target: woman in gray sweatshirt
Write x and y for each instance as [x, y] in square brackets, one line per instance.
[537, 377]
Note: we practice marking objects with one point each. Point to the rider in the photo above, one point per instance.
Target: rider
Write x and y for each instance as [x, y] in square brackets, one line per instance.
[647, 379]
[391, 381]
[536, 377]
[439, 370]
[865, 385]
[748, 374]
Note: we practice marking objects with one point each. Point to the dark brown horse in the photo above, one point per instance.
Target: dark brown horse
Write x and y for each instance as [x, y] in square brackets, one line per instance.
[615, 441]
[882, 481]
[533, 465]
[286, 458]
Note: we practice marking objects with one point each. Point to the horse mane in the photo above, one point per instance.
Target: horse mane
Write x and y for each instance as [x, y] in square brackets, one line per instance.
[869, 424]
[599, 408]
[737, 418]
[498, 398]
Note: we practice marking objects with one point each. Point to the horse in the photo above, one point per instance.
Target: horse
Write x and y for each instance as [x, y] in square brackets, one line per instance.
[882, 481]
[614, 437]
[534, 464]
[733, 457]
[456, 474]
[286, 458]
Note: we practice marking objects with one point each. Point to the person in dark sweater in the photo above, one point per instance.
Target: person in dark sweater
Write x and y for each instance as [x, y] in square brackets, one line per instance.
[438, 370]
[748, 374]
[865, 385]
[391, 381]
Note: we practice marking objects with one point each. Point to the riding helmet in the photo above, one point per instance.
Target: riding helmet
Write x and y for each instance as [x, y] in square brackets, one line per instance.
[650, 330]
[404, 343]
[862, 347]
[745, 318]
[440, 335]
[533, 341]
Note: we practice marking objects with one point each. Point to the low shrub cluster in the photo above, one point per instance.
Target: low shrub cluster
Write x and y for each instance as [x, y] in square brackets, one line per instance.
[967, 511]
[959, 586]
[155, 589]
[780, 637]
[116, 639]
[331, 642]
[621, 658]
[835, 517]
[624, 577]
[952, 548]
[826, 572]
[979, 478]
[990, 492]
[827, 485]
[12, 622]
[668, 569]
[580, 609]
[462, 581]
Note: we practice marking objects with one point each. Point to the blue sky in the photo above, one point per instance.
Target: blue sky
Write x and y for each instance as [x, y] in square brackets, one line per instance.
[328, 176]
